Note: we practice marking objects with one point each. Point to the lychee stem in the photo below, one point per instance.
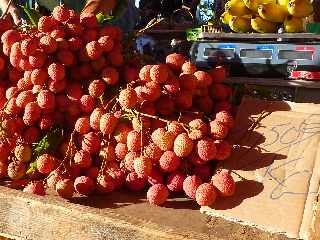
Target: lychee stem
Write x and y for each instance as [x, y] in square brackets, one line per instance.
[103, 164]
[141, 133]
[238, 175]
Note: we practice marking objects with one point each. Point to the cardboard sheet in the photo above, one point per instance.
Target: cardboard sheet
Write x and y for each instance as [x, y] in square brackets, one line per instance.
[280, 160]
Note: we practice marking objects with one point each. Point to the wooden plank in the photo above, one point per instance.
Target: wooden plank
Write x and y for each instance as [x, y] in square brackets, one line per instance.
[114, 216]
[275, 82]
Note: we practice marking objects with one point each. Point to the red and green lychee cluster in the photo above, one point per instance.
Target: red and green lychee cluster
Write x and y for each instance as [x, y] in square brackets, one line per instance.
[163, 131]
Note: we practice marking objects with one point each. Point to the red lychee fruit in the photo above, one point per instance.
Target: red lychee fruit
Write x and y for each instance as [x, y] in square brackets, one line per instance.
[198, 129]
[220, 92]
[134, 182]
[31, 135]
[108, 123]
[188, 82]
[87, 103]
[66, 57]
[175, 61]
[144, 73]
[159, 73]
[165, 105]
[4, 152]
[91, 142]
[95, 118]
[12, 109]
[153, 152]
[157, 194]
[93, 50]
[9, 37]
[23, 153]
[134, 141]
[175, 181]
[204, 104]
[46, 121]
[172, 85]
[29, 46]
[115, 57]
[151, 91]
[106, 43]
[75, 44]
[65, 188]
[46, 24]
[169, 162]
[155, 177]
[82, 125]
[121, 150]
[203, 171]
[46, 100]
[223, 149]
[107, 154]
[74, 91]
[188, 68]
[56, 71]
[183, 145]
[45, 163]
[218, 74]
[184, 100]
[128, 98]
[90, 35]
[224, 183]
[39, 76]
[58, 33]
[105, 183]
[83, 159]
[32, 113]
[225, 118]
[121, 132]
[129, 161]
[142, 166]
[206, 149]
[48, 44]
[206, 194]
[61, 13]
[16, 170]
[175, 127]
[56, 86]
[204, 79]
[163, 139]
[190, 185]
[83, 185]
[88, 20]
[35, 187]
[38, 59]
[218, 130]
[97, 88]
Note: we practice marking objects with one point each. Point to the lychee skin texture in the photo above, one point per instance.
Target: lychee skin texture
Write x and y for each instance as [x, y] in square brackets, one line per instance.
[93, 50]
[16, 170]
[65, 188]
[144, 73]
[105, 183]
[189, 68]
[206, 194]
[128, 98]
[183, 145]
[121, 150]
[190, 185]
[32, 113]
[225, 118]
[218, 130]
[153, 152]
[83, 185]
[142, 166]
[159, 73]
[163, 139]
[46, 100]
[223, 149]
[175, 61]
[175, 127]
[83, 159]
[45, 163]
[82, 125]
[56, 71]
[106, 43]
[24, 98]
[129, 160]
[134, 182]
[157, 194]
[204, 79]
[48, 44]
[110, 75]
[95, 118]
[108, 123]
[175, 181]
[188, 82]
[198, 129]
[61, 13]
[91, 142]
[206, 149]
[23, 153]
[224, 183]
[134, 141]
[35, 188]
[87, 103]
[169, 162]
[97, 88]
[39, 76]
[121, 132]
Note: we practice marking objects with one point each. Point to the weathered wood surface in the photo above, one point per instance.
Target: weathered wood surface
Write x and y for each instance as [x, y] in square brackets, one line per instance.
[115, 216]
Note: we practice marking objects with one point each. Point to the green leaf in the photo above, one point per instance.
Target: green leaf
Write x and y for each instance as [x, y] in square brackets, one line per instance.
[32, 168]
[101, 18]
[32, 14]
[49, 142]
[193, 33]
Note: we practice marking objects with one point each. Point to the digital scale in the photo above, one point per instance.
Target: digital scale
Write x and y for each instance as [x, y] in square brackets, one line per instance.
[292, 56]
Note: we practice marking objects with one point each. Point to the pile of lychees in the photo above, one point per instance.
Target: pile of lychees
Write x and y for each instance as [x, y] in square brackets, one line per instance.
[158, 126]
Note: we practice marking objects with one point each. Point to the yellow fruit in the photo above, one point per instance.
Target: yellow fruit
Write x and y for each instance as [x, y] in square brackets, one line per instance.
[300, 8]
[283, 2]
[272, 12]
[240, 24]
[263, 26]
[254, 4]
[293, 24]
[225, 17]
[236, 8]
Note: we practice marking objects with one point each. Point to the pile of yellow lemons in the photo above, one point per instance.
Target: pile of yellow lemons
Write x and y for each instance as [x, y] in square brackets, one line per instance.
[265, 16]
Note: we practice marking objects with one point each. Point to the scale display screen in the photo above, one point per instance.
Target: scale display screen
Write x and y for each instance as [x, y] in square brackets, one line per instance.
[295, 55]
[254, 53]
[219, 52]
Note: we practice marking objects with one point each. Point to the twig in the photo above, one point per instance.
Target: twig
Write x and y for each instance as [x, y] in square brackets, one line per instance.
[238, 175]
